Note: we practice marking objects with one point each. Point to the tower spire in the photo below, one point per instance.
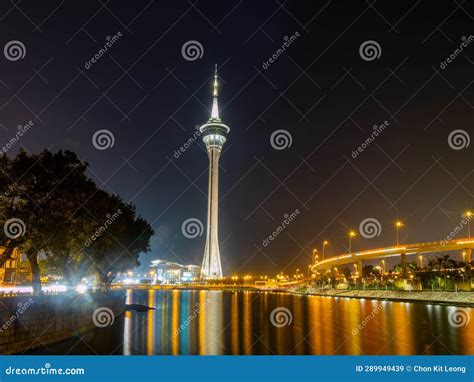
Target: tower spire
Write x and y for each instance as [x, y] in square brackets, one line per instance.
[215, 107]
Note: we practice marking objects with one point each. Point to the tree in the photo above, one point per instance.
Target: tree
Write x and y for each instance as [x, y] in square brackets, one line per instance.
[346, 272]
[12, 213]
[411, 267]
[59, 210]
[118, 239]
[444, 267]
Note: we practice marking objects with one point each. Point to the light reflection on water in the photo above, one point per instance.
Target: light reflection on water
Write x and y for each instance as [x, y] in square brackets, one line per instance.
[214, 322]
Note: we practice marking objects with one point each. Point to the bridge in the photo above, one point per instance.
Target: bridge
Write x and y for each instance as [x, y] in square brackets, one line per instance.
[401, 250]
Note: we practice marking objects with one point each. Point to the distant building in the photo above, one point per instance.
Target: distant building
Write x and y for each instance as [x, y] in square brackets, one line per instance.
[167, 272]
[191, 272]
[15, 269]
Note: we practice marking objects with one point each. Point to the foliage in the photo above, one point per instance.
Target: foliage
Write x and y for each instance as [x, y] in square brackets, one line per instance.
[77, 228]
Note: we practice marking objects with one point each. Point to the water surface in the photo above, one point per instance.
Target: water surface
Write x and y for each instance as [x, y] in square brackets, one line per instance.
[217, 322]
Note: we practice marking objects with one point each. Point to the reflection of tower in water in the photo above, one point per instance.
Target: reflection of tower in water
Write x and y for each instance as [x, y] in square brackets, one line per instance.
[211, 336]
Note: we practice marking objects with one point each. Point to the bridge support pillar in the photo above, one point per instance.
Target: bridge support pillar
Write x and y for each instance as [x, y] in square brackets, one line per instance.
[333, 277]
[403, 260]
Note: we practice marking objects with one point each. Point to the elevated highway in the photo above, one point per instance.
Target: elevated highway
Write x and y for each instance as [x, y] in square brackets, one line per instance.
[402, 251]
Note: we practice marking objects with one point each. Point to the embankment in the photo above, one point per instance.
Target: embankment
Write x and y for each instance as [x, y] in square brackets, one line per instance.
[27, 322]
[451, 298]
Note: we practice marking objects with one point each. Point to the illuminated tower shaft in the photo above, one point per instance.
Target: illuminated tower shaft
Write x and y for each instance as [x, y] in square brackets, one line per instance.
[211, 266]
[214, 136]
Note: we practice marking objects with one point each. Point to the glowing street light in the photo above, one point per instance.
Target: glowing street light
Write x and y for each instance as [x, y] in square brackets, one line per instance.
[468, 215]
[315, 256]
[325, 242]
[421, 261]
[351, 235]
[383, 265]
[398, 225]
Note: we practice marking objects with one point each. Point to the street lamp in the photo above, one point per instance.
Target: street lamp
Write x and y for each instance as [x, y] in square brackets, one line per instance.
[315, 255]
[421, 261]
[325, 242]
[398, 225]
[383, 264]
[468, 215]
[351, 235]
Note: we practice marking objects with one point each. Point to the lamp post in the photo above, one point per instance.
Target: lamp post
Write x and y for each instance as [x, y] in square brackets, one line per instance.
[398, 225]
[421, 261]
[315, 256]
[351, 235]
[325, 242]
[383, 265]
[468, 215]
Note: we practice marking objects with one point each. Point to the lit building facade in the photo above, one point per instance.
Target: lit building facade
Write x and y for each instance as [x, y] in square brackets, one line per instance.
[13, 270]
[167, 272]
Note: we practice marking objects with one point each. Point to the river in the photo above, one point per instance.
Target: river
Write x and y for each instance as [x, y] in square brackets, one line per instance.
[218, 322]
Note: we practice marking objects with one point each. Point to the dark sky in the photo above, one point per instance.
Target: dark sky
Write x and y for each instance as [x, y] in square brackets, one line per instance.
[320, 90]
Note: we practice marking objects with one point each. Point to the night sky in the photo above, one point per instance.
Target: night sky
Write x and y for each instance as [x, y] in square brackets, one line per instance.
[320, 90]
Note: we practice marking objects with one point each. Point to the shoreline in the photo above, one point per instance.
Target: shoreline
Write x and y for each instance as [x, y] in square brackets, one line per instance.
[464, 299]
[30, 322]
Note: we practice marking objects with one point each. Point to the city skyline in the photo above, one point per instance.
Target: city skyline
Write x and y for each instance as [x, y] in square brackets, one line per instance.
[204, 178]
[149, 93]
